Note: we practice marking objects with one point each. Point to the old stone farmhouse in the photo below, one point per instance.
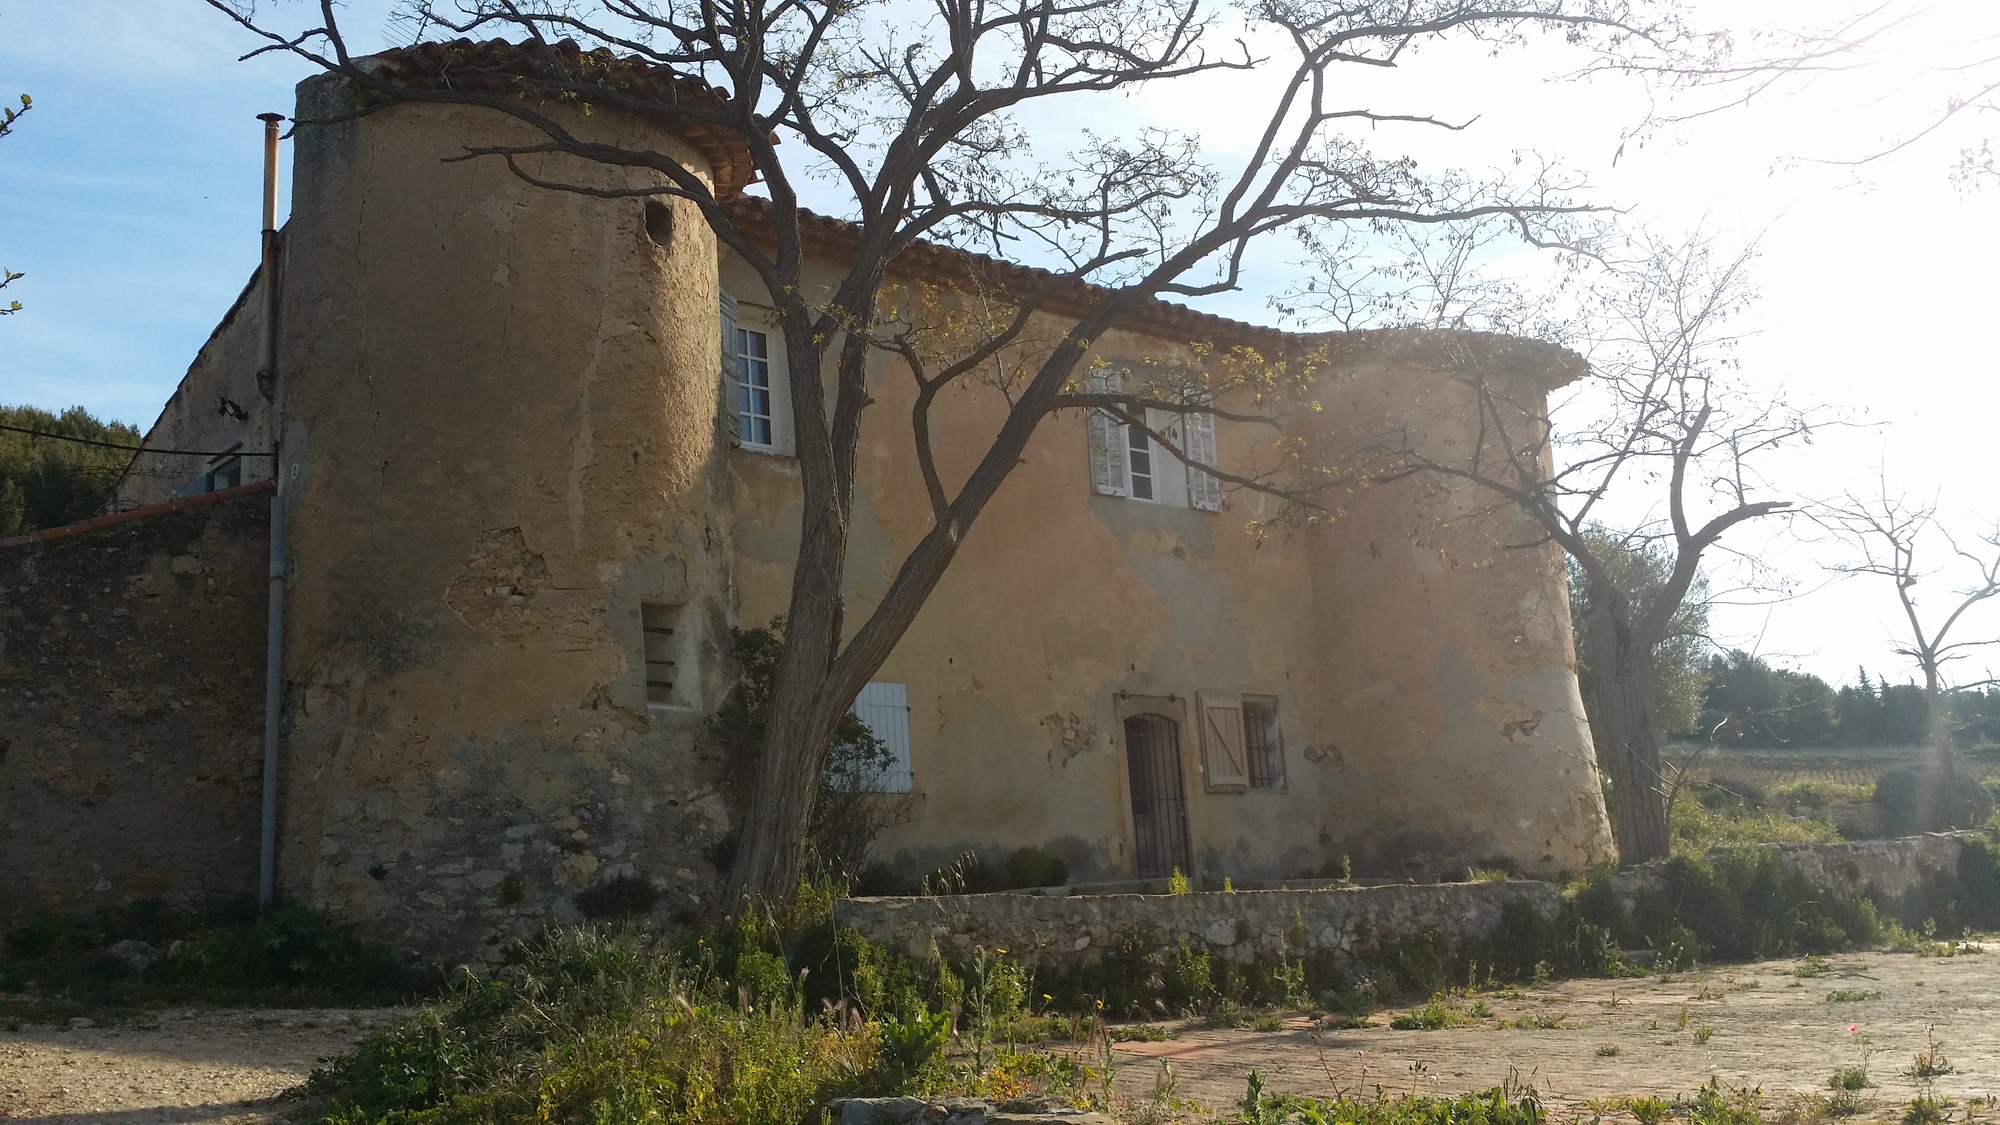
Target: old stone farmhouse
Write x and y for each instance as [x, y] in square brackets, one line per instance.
[529, 496]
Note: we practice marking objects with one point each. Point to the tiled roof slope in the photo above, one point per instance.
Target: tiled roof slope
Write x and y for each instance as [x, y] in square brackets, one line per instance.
[564, 69]
[836, 239]
[177, 504]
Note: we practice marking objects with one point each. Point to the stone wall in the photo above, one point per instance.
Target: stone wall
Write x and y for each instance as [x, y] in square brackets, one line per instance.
[1884, 870]
[131, 705]
[1242, 925]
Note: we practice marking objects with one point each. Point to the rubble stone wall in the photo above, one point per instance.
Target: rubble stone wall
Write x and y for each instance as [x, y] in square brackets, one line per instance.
[131, 706]
[1883, 869]
[1242, 925]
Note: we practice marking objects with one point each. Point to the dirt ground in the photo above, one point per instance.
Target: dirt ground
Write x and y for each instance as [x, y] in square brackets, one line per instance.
[1765, 1026]
[196, 1065]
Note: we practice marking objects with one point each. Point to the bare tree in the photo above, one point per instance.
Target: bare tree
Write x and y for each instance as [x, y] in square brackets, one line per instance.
[9, 115]
[1889, 533]
[1936, 67]
[911, 114]
[1667, 418]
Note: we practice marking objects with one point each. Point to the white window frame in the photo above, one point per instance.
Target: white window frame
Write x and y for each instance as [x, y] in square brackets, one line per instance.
[762, 322]
[1126, 461]
[1166, 475]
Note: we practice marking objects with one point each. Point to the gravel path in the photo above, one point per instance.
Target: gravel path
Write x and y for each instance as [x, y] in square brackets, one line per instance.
[199, 1065]
[1766, 1027]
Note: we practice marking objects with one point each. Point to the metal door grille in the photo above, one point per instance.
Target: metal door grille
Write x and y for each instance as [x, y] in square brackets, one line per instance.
[1159, 799]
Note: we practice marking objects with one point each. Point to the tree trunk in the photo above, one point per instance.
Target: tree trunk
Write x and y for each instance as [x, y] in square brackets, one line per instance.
[806, 704]
[1621, 687]
[1935, 725]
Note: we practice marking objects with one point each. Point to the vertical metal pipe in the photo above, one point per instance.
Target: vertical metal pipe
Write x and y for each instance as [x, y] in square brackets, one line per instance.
[274, 635]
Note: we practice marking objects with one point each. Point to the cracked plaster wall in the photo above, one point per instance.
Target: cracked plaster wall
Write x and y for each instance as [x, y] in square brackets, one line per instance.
[501, 426]
[1430, 714]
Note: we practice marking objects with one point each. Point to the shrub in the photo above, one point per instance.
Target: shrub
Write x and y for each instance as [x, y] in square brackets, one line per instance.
[1928, 800]
[591, 1023]
[622, 897]
[1033, 867]
[1189, 982]
[847, 815]
[222, 951]
[915, 1039]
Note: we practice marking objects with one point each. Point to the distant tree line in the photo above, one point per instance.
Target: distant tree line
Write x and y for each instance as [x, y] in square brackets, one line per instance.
[47, 482]
[1744, 699]
[1751, 703]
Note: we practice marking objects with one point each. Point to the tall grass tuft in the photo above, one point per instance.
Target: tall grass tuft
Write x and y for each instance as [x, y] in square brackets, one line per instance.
[601, 1026]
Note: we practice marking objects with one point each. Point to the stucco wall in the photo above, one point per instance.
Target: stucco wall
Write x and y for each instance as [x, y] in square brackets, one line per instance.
[131, 709]
[197, 417]
[1444, 656]
[500, 427]
[503, 436]
[1422, 662]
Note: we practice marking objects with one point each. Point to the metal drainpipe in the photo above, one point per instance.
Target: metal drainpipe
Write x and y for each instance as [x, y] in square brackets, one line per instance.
[274, 636]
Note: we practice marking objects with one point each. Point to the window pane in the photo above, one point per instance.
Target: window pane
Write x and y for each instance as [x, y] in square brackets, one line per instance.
[1139, 457]
[753, 377]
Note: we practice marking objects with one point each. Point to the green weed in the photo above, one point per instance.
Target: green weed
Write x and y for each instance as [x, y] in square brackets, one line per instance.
[1713, 1105]
[1850, 1079]
[1930, 1062]
[1927, 1109]
[1650, 1110]
[1497, 1106]
[1437, 1013]
[1143, 1033]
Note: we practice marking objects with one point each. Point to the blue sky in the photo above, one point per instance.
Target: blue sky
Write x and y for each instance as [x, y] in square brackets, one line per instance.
[128, 195]
[129, 198]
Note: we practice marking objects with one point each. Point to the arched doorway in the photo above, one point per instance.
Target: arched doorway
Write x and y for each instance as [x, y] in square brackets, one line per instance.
[1159, 796]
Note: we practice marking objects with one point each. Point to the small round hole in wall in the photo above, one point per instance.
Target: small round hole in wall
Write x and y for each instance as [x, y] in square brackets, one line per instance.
[659, 222]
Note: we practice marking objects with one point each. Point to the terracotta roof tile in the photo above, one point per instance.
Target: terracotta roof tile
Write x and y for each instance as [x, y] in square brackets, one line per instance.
[177, 504]
[563, 71]
[837, 239]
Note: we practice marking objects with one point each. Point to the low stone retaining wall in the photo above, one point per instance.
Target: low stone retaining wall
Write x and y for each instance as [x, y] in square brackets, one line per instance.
[959, 1111]
[1242, 925]
[1882, 869]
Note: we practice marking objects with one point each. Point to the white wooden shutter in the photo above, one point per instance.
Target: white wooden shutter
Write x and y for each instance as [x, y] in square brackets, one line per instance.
[1107, 437]
[1204, 491]
[885, 708]
[730, 401]
[1222, 757]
